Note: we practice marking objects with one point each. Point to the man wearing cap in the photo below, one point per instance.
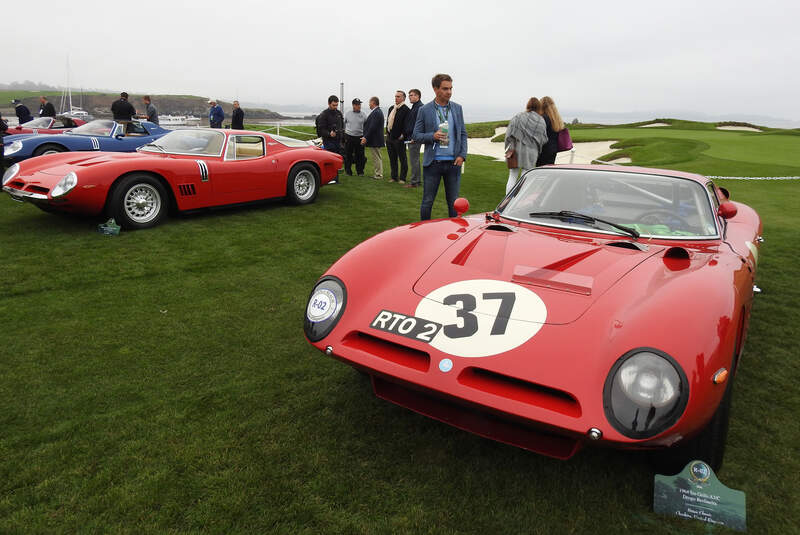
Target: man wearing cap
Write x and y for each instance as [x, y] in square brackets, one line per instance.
[21, 111]
[215, 114]
[46, 109]
[354, 131]
[121, 109]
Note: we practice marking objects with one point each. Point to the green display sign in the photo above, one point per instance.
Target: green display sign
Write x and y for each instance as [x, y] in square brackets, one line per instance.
[697, 493]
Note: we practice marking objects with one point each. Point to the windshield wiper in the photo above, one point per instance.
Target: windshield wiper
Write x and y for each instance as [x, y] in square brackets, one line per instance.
[159, 147]
[569, 214]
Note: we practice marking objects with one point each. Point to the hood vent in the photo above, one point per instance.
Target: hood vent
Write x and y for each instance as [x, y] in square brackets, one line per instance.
[500, 227]
[186, 190]
[628, 245]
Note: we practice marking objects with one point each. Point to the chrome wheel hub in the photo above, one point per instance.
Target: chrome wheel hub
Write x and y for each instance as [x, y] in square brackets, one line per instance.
[142, 203]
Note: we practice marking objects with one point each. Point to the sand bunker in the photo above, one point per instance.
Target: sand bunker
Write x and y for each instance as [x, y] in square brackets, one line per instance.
[654, 124]
[583, 153]
[624, 159]
[740, 128]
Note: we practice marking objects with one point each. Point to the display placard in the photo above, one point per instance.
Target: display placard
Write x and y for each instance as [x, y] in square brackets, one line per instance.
[696, 493]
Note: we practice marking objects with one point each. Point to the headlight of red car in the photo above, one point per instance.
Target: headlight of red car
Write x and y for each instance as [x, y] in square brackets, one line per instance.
[325, 307]
[65, 185]
[645, 393]
[10, 173]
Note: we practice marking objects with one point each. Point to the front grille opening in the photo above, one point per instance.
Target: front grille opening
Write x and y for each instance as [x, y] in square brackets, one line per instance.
[378, 347]
[519, 390]
[17, 184]
[38, 189]
[476, 420]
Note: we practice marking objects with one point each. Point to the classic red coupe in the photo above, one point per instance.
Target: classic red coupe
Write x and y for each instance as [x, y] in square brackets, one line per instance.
[185, 170]
[594, 305]
[46, 125]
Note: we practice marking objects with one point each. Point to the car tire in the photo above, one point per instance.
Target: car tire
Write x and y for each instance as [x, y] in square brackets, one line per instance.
[303, 184]
[708, 445]
[48, 149]
[138, 201]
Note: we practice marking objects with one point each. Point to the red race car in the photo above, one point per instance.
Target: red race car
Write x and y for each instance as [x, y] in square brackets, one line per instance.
[594, 305]
[185, 169]
[46, 125]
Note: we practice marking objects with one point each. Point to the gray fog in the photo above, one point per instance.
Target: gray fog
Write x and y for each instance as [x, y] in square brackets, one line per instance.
[717, 59]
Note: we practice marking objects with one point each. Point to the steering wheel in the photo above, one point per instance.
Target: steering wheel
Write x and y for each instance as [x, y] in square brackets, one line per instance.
[663, 217]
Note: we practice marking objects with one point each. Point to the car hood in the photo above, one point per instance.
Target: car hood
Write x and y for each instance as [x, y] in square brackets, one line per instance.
[58, 165]
[568, 272]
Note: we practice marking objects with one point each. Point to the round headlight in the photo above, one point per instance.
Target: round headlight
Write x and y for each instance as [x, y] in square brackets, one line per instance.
[645, 393]
[10, 173]
[65, 185]
[324, 308]
[13, 147]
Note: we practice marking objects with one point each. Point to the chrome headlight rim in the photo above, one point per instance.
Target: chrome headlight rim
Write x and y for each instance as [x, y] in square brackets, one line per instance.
[318, 328]
[65, 185]
[13, 148]
[667, 420]
[10, 173]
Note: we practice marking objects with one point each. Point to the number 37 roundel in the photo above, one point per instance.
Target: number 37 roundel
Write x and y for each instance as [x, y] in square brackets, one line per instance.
[472, 318]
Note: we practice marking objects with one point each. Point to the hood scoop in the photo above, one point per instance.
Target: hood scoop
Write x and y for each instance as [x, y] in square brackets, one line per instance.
[567, 272]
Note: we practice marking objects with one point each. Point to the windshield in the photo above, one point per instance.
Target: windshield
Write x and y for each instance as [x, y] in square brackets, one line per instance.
[652, 205]
[289, 141]
[41, 122]
[100, 127]
[194, 141]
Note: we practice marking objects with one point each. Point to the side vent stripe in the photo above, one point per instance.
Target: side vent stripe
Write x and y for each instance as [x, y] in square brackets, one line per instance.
[203, 170]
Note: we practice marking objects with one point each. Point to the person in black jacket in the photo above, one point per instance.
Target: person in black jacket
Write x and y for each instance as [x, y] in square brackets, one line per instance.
[46, 109]
[414, 96]
[237, 117]
[330, 126]
[21, 111]
[121, 109]
[373, 136]
[3, 133]
[395, 138]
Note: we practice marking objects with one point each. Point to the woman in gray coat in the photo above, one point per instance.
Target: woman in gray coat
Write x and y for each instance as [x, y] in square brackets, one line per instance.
[525, 136]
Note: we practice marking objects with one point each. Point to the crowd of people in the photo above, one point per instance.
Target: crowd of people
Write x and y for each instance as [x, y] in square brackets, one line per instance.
[438, 126]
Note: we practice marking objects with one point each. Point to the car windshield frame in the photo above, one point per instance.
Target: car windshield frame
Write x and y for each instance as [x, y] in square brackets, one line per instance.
[162, 149]
[87, 131]
[48, 120]
[704, 212]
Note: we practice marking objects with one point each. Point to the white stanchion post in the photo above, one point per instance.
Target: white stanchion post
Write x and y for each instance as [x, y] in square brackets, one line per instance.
[572, 156]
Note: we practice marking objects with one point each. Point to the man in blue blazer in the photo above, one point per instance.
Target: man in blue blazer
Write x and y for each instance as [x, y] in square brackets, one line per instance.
[373, 136]
[440, 126]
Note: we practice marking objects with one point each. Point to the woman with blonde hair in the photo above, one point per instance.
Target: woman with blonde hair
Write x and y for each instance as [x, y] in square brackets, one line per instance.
[525, 136]
[554, 125]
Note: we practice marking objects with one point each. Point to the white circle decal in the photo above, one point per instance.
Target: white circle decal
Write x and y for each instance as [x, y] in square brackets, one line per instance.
[445, 365]
[321, 306]
[482, 317]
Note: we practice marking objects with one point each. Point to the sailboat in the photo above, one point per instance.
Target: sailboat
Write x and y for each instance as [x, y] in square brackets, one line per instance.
[66, 107]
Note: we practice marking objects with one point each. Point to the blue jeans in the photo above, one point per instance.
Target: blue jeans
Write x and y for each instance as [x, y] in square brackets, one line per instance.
[431, 176]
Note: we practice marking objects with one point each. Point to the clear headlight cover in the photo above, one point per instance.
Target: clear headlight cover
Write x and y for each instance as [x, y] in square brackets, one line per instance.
[13, 148]
[10, 173]
[324, 308]
[65, 185]
[645, 393]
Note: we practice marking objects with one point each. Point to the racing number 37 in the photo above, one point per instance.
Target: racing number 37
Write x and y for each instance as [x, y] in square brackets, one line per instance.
[469, 321]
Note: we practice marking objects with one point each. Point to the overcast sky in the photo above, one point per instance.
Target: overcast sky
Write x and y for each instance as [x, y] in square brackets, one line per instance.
[717, 57]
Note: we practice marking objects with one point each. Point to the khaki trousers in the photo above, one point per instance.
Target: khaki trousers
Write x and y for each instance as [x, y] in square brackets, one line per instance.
[377, 161]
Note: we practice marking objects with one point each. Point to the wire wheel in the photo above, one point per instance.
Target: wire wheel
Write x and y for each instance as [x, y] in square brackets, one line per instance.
[305, 184]
[142, 203]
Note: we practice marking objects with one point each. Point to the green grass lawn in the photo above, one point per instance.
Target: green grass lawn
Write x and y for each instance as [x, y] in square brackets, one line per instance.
[159, 381]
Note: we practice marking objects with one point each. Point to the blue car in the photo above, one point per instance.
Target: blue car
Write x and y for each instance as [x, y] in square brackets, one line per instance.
[102, 134]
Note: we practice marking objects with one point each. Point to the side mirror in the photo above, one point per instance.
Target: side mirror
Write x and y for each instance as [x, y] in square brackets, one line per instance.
[725, 192]
[727, 210]
[461, 206]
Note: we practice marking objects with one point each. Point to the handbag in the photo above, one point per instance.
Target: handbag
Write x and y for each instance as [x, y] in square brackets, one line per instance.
[564, 140]
[511, 159]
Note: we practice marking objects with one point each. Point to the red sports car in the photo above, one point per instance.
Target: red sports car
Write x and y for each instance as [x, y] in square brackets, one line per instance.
[46, 125]
[185, 169]
[594, 305]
